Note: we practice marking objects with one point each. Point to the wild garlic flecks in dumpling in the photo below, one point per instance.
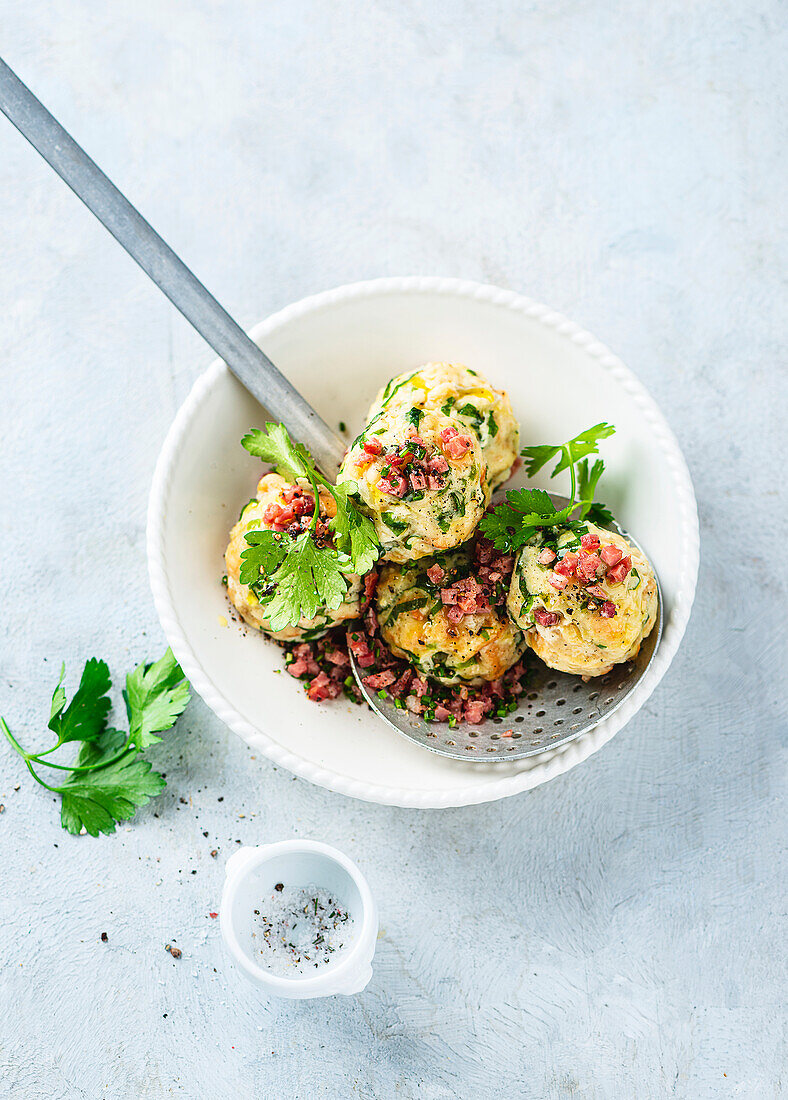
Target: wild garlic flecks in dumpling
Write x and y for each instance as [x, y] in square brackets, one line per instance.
[282, 506]
[467, 397]
[420, 477]
[586, 602]
[446, 616]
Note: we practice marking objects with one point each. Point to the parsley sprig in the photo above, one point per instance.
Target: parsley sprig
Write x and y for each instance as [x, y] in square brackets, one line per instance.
[109, 778]
[295, 577]
[527, 512]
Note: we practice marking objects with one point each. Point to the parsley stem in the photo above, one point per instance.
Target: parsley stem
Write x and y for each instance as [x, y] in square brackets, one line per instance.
[38, 779]
[37, 756]
[47, 752]
[81, 767]
[11, 738]
[571, 472]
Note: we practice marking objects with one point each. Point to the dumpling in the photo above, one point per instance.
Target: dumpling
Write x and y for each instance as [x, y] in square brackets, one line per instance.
[436, 614]
[281, 505]
[585, 602]
[420, 477]
[467, 397]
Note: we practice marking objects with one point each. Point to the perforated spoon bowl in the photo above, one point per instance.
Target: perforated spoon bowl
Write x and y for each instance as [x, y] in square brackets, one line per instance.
[555, 709]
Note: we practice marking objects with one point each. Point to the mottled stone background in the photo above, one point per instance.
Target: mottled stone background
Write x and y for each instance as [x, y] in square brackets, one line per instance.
[616, 933]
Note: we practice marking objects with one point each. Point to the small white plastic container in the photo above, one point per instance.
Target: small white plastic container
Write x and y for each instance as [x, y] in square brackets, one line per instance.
[251, 874]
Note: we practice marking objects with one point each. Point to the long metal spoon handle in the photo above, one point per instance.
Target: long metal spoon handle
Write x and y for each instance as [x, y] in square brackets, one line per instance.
[247, 362]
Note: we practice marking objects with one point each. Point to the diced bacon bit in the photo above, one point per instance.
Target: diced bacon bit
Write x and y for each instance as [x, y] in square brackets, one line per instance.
[322, 688]
[566, 566]
[619, 572]
[400, 687]
[400, 459]
[503, 563]
[454, 445]
[610, 554]
[588, 566]
[301, 502]
[545, 617]
[337, 657]
[546, 556]
[608, 609]
[380, 680]
[435, 573]
[596, 590]
[420, 685]
[474, 712]
[484, 551]
[304, 662]
[371, 620]
[413, 704]
[394, 484]
[280, 517]
[558, 582]
[464, 597]
[373, 447]
[441, 713]
[589, 542]
[359, 647]
[407, 468]
[437, 464]
[370, 584]
[458, 447]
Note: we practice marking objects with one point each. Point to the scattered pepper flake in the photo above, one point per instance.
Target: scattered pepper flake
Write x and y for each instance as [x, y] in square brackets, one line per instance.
[174, 951]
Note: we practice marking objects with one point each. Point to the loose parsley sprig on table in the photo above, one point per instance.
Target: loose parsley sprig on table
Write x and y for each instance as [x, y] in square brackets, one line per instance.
[527, 511]
[296, 577]
[109, 778]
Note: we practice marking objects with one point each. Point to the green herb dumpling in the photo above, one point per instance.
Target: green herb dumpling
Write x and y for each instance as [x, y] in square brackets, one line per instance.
[447, 615]
[283, 506]
[586, 602]
[469, 399]
[421, 478]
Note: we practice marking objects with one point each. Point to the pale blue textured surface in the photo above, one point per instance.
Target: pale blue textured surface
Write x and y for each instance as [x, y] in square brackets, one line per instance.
[616, 933]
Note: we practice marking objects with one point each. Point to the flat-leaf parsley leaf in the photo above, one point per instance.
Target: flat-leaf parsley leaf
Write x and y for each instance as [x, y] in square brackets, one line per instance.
[109, 778]
[295, 577]
[525, 512]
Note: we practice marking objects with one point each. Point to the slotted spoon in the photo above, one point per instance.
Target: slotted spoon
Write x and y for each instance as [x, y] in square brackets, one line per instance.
[556, 708]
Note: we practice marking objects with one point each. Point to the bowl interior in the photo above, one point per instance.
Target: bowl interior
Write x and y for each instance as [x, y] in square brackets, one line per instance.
[294, 870]
[338, 352]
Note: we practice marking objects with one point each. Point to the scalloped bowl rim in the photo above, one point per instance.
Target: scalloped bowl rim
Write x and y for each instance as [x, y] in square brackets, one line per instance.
[555, 762]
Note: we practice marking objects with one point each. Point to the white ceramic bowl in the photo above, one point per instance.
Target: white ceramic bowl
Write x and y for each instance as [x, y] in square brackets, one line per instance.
[250, 876]
[338, 347]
